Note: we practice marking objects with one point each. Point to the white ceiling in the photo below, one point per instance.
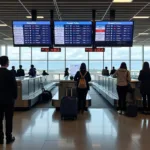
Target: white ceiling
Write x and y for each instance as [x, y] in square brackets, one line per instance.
[76, 10]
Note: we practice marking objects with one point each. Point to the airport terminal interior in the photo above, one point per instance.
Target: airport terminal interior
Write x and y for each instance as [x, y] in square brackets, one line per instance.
[61, 32]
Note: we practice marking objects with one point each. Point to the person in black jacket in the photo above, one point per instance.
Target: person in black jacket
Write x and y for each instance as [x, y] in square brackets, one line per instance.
[8, 94]
[32, 71]
[66, 74]
[144, 77]
[14, 72]
[83, 78]
[113, 71]
[20, 72]
[44, 73]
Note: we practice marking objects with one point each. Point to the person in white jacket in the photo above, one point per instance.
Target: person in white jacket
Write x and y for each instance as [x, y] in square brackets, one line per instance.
[123, 79]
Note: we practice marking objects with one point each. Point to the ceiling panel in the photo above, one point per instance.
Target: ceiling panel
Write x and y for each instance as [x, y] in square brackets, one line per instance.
[77, 10]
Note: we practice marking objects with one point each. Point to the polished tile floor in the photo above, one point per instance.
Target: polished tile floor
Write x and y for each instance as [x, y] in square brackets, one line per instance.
[98, 129]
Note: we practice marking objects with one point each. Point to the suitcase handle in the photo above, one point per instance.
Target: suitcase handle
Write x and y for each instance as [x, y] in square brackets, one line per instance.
[67, 90]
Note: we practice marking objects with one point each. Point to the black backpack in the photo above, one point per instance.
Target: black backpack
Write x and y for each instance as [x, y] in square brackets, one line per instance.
[46, 95]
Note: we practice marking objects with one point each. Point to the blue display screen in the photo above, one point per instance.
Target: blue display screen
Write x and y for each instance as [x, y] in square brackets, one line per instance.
[114, 33]
[73, 33]
[32, 33]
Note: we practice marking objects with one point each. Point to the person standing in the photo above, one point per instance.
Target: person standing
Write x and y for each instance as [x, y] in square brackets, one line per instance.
[8, 94]
[83, 78]
[66, 74]
[105, 72]
[113, 71]
[20, 72]
[123, 79]
[144, 78]
[32, 71]
[14, 72]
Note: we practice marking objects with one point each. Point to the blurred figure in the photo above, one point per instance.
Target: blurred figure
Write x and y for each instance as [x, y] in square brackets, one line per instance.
[83, 78]
[144, 78]
[66, 74]
[14, 72]
[123, 79]
[20, 72]
[44, 73]
[105, 72]
[113, 71]
[8, 94]
[32, 71]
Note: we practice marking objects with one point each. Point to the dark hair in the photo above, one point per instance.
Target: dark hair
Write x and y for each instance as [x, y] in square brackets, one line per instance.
[13, 66]
[123, 66]
[83, 67]
[20, 66]
[113, 67]
[4, 60]
[145, 66]
[106, 67]
[32, 66]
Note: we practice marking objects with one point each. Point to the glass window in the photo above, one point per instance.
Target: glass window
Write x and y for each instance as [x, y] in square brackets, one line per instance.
[56, 66]
[76, 54]
[96, 55]
[13, 53]
[40, 66]
[3, 50]
[146, 53]
[95, 66]
[38, 55]
[107, 54]
[107, 64]
[119, 53]
[13, 63]
[26, 66]
[57, 55]
[136, 65]
[117, 64]
[25, 53]
[136, 53]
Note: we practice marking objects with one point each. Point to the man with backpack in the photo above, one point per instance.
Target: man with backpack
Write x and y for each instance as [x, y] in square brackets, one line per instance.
[83, 78]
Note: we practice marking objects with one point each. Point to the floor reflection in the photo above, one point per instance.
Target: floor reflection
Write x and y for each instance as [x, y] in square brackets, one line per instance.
[42, 129]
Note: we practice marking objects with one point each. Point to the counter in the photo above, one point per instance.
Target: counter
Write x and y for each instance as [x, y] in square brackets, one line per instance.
[106, 86]
[29, 90]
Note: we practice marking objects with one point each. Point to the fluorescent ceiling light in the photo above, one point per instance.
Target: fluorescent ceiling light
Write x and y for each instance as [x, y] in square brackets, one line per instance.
[3, 25]
[38, 17]
[141, 17]
[122, 1]
[143, 33]
[8, 39]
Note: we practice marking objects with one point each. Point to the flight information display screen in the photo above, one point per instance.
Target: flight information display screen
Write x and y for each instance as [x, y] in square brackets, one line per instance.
[73, 33]
[32, 33]
[114, 33]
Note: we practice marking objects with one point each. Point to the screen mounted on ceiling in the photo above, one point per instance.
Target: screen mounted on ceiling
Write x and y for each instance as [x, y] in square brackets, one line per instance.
[114, 33]
[32, 33]
[73, 33]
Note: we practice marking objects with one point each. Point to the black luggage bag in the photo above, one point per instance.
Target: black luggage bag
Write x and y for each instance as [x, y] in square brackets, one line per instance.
[46, 96]
[69, 106]
[132, 109]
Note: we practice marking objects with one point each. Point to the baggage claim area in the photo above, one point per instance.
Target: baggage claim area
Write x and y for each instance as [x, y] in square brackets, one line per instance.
[57, 37]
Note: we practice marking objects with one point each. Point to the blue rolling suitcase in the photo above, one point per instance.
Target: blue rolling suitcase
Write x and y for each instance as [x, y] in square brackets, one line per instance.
[69, 106]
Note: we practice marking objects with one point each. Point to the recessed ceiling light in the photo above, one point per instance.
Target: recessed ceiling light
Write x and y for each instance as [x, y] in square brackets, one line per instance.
[8, 39]
[141, 17]
[143, 33]
[3, 25]
[122, 1]
[38, 17]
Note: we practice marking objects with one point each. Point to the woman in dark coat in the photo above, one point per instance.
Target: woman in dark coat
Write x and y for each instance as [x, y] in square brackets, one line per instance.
[82, 91]
[144, 77]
